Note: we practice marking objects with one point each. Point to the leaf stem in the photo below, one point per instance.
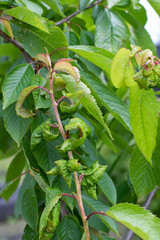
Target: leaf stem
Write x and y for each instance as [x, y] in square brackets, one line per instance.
[102, 213]
[68, 195]
[70, 155]
[64, 97]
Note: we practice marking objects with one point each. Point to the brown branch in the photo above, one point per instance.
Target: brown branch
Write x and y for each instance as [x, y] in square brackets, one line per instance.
[77, 12]
[17, 45]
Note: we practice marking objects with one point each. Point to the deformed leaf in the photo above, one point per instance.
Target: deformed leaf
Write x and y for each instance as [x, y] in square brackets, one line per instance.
[52, 201]
[45, 58]
[43, 132]
[139, 220]
[62, 169]
[65, 168]
[22, 112]
[75, 141]
[63, 65]
[122, 70]
[91, 177]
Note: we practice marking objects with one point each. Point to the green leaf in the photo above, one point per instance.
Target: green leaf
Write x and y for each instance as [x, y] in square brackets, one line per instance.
[14, 170]
[41, 40]
[38, 173]
[142, 174]
[156, 5]
[111, 3]
[83, 4]
[69, 228]
[39, 100]
[140, 35]
[144, 119]
[4, 136]
[122, 70]
[108, 98]
[45, 214]
[44, 153]
[28, 181]
[100, 57]
[19, 78]
[16, 126]
[9, 50]
[98, 205]
[28, 233]
[112, 33]
[108, 188]
[140, 221]
[55, 5]
[30, 208]
[87, 100]
[25, 15]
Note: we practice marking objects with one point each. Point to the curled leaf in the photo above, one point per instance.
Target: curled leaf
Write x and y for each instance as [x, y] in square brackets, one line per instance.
[91, 177]
[74, 165]
[62, 170]
[64, 65]
[79, 137]
[53, 218]
[50, 215]
[45, 58]
[143, 56]
[22, 112]
[43, 132]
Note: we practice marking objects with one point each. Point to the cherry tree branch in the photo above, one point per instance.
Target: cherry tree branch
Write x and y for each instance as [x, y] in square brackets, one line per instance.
[17, 45]
[77, 12]
[146, 204]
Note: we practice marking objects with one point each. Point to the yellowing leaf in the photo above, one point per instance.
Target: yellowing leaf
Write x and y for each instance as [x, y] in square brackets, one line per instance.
[8, 27]
[122, 70]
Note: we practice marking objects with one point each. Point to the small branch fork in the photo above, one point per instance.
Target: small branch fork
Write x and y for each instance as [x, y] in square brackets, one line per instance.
[77, 12]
